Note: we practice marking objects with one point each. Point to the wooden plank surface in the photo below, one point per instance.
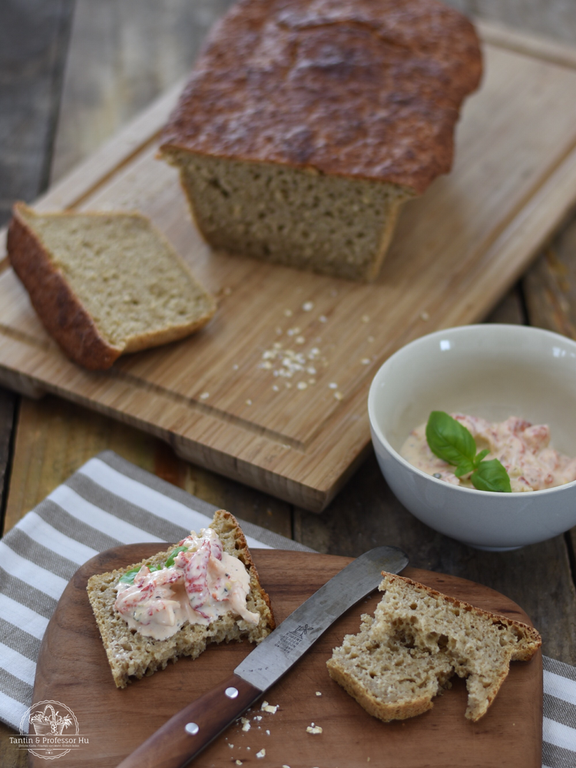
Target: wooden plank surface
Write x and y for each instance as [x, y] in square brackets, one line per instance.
[508, 734]
[364, 513]
[215, 397]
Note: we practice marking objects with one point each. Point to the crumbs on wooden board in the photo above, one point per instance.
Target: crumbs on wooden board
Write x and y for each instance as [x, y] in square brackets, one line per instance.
[291, 364]
[252, 721]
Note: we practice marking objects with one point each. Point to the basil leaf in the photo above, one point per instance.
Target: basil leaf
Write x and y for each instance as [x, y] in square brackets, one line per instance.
[465, 468]
[481, 455]
[129, 576]
[173, 554]
[449, 440]
[491, 476]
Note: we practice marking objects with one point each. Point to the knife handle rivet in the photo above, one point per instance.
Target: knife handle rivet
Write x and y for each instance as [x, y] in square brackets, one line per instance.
[191, 728]
[231, 692]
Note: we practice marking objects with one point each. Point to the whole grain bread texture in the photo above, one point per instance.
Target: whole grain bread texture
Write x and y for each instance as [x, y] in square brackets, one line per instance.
[306, 124]
[132, 656]
[104, 283]
[416, 641]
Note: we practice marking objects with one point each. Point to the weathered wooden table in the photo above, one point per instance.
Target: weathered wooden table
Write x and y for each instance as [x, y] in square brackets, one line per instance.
[73, 72]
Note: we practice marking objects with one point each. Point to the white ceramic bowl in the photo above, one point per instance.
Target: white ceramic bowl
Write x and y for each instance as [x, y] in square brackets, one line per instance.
[492, 371]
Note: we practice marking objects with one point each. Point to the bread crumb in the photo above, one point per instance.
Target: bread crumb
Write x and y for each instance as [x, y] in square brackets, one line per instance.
[204, 395]
[301, 385]
[333, 385]
[288, 312]
[338, 395]
[272, 708]
[248, 402]
[245, 724]
[365, 319]
[313, 729]
[366, 361]
[425, 316]
[323, 319]
[308, 306]
[238, 762]
[318, 693]
[262, 753]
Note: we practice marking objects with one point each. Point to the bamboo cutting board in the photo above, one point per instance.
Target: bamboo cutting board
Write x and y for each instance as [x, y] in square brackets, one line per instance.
[73, 670]
[273, 391]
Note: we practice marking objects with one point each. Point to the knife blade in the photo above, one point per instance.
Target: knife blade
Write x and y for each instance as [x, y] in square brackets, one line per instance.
[189, 731]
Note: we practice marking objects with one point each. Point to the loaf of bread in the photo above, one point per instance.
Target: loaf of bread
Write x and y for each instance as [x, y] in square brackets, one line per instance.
[416, 641]
[132, 655]
[104, 284]
[306, 124]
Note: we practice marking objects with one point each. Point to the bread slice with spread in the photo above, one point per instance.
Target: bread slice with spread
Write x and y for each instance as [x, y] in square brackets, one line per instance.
[175, 603]
[416, 641]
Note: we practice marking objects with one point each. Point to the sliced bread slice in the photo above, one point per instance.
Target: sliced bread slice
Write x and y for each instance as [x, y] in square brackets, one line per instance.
[104, 283]
[131, 655]
[416, 641]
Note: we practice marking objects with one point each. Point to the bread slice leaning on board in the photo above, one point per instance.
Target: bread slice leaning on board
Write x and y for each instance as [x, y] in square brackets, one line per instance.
[305, 125]
[104, 283]
[132, 655]
[416, 641]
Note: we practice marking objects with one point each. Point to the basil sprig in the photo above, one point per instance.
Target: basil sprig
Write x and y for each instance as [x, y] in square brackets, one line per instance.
[453, 443]
[129, 576]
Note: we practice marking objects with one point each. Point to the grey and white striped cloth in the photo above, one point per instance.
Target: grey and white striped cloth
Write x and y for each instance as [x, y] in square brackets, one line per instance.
[108, 502]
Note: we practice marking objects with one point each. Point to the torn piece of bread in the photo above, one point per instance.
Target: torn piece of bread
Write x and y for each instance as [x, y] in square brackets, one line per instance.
[305, 125]
[104, 283]
[133, 655]
[418, 638]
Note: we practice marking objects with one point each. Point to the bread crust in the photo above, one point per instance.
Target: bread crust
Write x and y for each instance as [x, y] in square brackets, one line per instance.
[521, 652]
[60, 309]
[404, 635]
[132, 656]
[359, 88]
[61, 312]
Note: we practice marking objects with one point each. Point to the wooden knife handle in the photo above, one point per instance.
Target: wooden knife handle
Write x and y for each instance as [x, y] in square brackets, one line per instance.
[194, 727]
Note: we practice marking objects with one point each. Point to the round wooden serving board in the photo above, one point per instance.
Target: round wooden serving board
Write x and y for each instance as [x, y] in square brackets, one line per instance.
[72, 669]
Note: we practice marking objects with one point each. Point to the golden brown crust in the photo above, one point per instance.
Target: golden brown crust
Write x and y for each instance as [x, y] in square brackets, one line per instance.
[63, 312]
[521, 653]
[358, 88]
[60, 311]
[418, 638]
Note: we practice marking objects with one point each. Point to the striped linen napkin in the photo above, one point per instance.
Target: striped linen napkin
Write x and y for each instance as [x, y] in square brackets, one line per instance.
[109, 502]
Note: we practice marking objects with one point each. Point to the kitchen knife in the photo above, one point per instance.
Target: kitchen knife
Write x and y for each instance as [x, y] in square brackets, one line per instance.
[194, 727]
